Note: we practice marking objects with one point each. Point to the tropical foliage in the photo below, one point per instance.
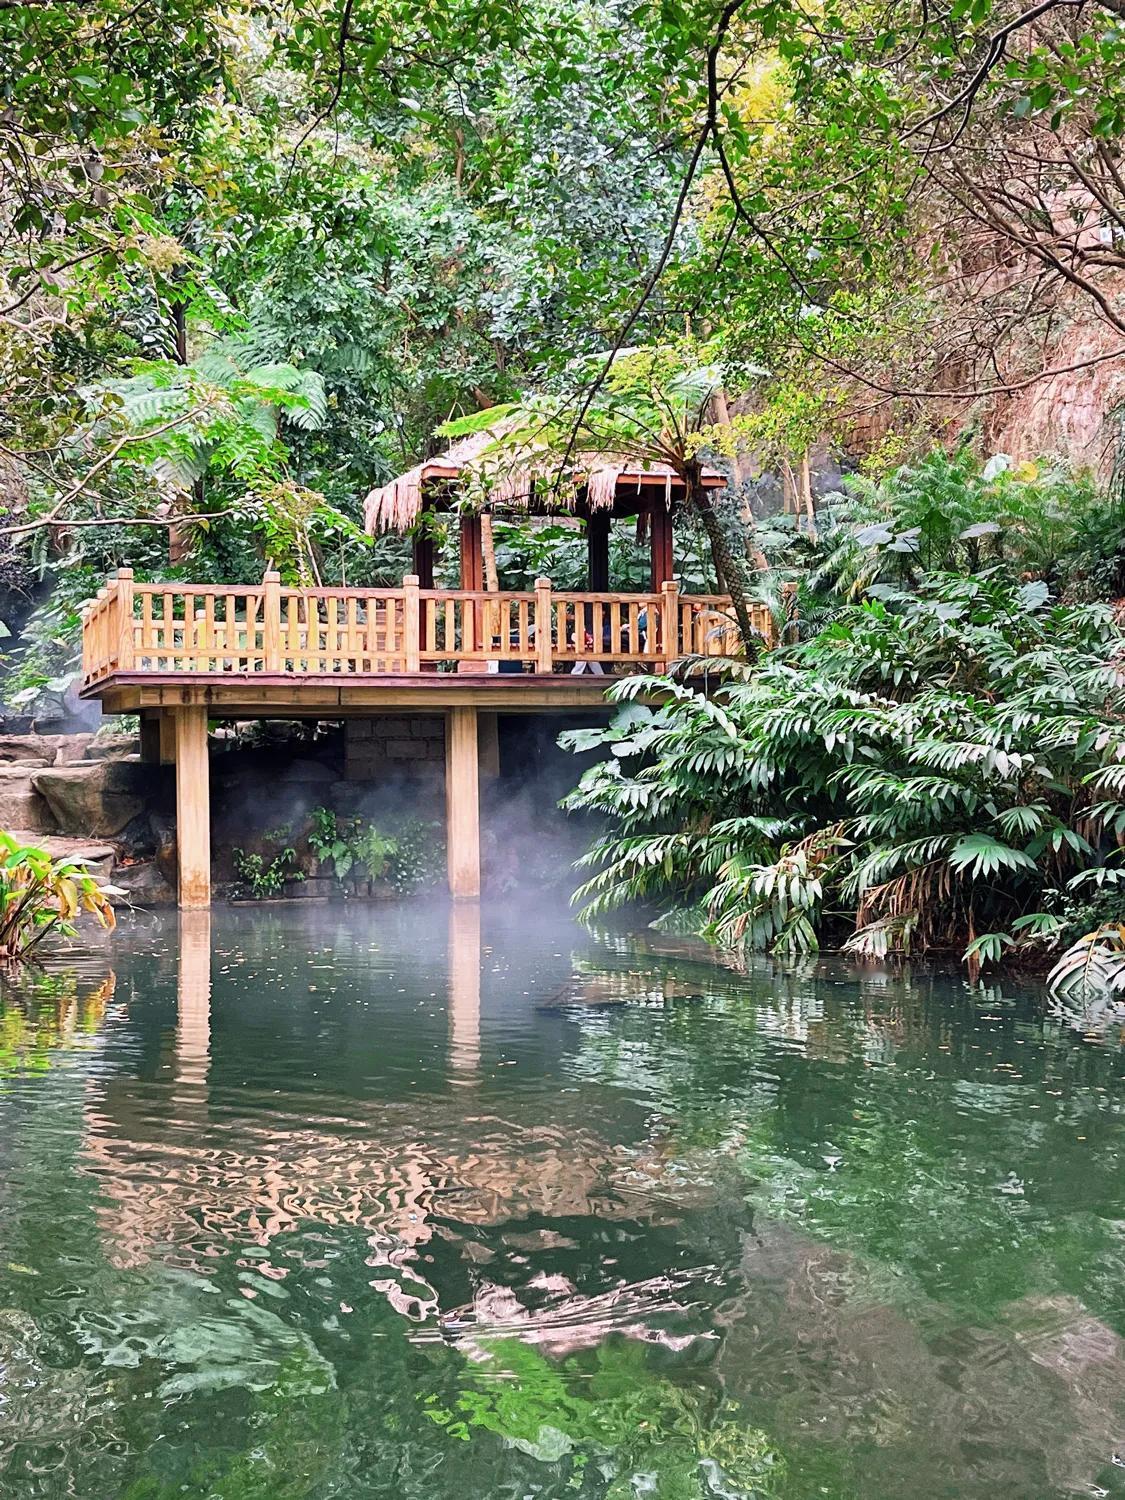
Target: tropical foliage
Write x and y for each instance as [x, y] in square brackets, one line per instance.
[937, 768]
[41, 896]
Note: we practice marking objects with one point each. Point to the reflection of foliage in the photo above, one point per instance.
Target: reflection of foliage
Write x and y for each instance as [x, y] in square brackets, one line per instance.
[45, 1015]
[608, 1407]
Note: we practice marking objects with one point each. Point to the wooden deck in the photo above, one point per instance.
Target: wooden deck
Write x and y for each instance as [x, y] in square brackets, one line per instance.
[181, 655]
[266, 648]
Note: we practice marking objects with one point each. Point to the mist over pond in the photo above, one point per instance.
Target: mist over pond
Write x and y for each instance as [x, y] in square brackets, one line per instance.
[429, 1201]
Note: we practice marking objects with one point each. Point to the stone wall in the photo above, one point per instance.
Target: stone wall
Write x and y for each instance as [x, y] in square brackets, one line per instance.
[394, 744]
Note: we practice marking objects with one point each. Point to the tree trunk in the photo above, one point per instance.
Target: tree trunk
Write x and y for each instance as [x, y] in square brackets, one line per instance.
[727, 566]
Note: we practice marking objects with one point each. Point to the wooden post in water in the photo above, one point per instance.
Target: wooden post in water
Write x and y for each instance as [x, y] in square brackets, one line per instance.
[462, 804]
[193, 808]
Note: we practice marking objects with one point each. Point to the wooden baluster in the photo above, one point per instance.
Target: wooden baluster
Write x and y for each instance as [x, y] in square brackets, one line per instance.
[410, 625]
[351, 612]
[544, 655]
[210, 663]
[230, 632]
[188, 647]
[148, 639]
[669, 622]
[168, 631]
[450, 643]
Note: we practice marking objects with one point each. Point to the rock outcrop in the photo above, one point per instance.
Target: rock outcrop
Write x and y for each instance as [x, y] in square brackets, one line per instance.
[95, 798]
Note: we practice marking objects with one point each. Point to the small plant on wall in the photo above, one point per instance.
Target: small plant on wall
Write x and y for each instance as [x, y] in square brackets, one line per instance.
[348, 844]
[263, 878]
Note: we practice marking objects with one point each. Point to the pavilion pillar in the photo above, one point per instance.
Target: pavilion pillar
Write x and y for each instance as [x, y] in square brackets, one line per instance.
[660, 545]
[462, 804]
[193, 808]
[472, 555]
[423, 549]
[597, 551]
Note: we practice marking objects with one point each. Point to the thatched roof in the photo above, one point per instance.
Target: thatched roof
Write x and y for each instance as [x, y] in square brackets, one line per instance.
[600, 480]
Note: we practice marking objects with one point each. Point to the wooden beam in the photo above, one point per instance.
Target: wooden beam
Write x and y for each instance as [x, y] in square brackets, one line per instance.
[193, 808]
[462, 804]
[423, 551]
[597, 551]
[488, 731]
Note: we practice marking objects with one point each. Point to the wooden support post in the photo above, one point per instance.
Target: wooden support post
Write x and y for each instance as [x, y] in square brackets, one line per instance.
[271, 622]
[462, 804]
[597, 551]
[488, 729]
[167, 737]
[411, 622]
[150, 738]
[543, 626]
[423, 550]
[660, 545]
[670, 621]
[472, 555]
[193, 808]
[125, 619]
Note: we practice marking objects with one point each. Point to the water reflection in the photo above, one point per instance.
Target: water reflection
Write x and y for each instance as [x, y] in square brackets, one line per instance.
[464, 988]
[389, 1203]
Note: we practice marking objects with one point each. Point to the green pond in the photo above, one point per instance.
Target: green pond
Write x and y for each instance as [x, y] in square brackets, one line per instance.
[410, 1202]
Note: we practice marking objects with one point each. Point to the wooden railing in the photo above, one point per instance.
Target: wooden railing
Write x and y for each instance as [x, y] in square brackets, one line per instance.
[168, 629]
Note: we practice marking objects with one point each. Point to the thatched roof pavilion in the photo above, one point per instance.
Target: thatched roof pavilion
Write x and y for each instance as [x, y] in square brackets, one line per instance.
[602, 486]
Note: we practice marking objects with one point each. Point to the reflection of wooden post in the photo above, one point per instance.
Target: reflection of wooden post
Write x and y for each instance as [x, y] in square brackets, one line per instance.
[193, 1022]
[488, 733]
[464, 987]
[193, 807]
[462, 804]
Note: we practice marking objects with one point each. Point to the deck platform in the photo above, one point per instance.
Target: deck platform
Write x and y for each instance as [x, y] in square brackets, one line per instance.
[181, 655]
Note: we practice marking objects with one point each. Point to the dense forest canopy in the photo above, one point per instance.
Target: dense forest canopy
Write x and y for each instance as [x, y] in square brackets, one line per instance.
[256, 256]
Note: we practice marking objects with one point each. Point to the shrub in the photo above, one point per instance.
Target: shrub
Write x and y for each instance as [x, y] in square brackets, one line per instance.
[935, 768]
[40, 895]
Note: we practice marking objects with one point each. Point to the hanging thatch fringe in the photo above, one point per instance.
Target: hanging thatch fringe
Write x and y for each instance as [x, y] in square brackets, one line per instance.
[595, 477]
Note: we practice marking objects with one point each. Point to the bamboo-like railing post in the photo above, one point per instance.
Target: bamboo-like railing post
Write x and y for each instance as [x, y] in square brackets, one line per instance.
[670, 621]
[543, 622]
[411, 623]
[271, 621]
[124, 642]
